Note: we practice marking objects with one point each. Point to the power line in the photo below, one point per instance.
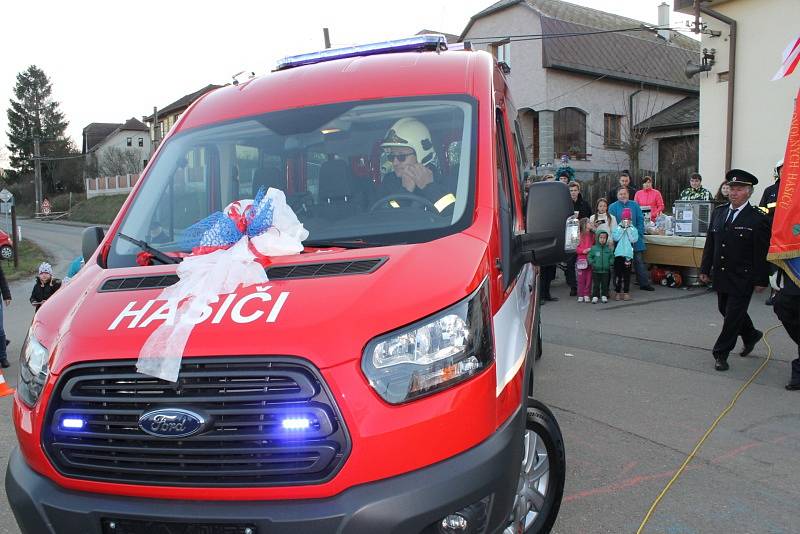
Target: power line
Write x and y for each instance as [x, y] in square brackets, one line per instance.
[542, 36]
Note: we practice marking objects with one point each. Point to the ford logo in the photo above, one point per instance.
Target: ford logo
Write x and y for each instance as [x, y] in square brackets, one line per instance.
[171, 423]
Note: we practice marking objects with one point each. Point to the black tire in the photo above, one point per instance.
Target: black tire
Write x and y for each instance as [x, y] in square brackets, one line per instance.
[540, 420]
[6, 252]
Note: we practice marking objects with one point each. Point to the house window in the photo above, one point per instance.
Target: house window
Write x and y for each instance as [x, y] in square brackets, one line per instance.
[612, 133]
[502, 52]
[129, 141]
[570, 133]
[141, 141]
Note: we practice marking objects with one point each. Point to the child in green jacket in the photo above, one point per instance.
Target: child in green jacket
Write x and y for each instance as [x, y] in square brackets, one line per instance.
[601, 258]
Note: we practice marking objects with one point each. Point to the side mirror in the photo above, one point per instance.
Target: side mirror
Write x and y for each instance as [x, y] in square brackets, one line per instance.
[549, 207]
[90, 240]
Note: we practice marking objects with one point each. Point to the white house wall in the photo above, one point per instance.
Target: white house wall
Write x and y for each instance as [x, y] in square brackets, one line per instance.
[119, 140]
[539, 89]
[762, 108]
[566, 89]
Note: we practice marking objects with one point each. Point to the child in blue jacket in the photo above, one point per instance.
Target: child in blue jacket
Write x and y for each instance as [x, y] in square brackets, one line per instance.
[625, 235]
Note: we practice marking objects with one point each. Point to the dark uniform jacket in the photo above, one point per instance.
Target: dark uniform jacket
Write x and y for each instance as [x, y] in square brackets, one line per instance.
[770, 198]
[437, 192]
[4, 286]
[736, 257]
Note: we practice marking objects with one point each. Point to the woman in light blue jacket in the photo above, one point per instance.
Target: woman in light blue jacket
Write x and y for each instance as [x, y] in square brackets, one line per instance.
[625, 235]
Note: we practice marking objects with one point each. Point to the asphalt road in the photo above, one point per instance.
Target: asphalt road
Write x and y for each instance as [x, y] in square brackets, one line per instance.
[633, 387]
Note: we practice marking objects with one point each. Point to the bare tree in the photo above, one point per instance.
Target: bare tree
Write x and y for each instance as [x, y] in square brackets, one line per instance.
[116, 161]
[631, 137]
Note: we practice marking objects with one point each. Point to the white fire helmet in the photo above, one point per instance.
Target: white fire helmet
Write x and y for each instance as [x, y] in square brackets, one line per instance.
[777, 171]
[411, 133]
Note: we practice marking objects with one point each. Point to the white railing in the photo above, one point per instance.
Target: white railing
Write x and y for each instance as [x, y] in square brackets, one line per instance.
[110, 185]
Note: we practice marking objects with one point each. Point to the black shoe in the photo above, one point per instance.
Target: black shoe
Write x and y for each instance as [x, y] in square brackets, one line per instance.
[4, 363]
[721, 365]
[793, 386]
[8, 342]
[550, 299]
[647, 288]
[749, 346]
[573, 292]
[769, 301]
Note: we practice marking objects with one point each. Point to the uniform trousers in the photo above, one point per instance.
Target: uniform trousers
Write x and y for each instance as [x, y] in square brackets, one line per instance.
[548, 274]
[570, 274]
[736, 322]
[787, 308]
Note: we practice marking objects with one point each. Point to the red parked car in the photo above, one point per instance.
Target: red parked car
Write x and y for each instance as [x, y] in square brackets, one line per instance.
[382, 381]
[6, 246]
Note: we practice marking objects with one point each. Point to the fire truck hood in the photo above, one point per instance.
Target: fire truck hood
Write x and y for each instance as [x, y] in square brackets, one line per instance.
[325, 318]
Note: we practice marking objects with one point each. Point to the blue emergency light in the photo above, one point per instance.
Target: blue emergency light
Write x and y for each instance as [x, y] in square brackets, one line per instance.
[419, 43]
[72, 423]
[296, 423]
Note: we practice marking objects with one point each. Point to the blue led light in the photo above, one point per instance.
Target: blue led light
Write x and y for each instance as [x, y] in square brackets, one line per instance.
[73, 423]
[411, 44]
[296, 423]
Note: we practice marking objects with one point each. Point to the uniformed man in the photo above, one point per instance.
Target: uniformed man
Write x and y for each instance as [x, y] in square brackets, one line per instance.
[768, 202]
[787, 308]
[735, 257]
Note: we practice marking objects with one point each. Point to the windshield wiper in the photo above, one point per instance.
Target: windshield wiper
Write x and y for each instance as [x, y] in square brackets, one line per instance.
[344, 243]
[157, 254]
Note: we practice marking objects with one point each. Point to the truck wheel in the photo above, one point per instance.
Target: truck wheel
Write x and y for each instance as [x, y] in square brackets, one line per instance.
[6, 252]
[541, 480]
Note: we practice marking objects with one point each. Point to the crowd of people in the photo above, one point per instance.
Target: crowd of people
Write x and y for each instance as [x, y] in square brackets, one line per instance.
[611, 243]
[611, 246]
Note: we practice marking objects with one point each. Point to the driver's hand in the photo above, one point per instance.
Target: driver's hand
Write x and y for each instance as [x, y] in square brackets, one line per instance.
[407, 180]
[421, 174]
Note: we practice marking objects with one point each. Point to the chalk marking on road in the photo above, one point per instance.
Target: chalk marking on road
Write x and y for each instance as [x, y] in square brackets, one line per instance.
[708, 432]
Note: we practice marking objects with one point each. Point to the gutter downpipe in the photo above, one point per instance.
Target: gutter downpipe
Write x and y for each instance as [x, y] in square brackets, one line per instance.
[731, 78]
[630, 126]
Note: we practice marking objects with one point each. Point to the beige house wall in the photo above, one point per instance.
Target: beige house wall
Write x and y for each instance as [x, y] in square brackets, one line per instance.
[535, 88]
[762, 108]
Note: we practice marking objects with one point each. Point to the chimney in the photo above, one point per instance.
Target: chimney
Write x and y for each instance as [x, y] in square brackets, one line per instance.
[663, 21]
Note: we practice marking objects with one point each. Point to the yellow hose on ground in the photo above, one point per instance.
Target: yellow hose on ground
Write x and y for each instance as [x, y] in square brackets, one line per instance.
[708, 432]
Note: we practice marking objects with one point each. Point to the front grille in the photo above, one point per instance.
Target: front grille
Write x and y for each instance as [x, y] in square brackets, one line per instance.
[243, 443]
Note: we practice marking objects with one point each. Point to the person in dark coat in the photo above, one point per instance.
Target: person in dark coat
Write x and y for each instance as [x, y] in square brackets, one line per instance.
[7, 301]
[786, 306]
[768, 202]
[581, 209]
[624, 181]
[45, 285]
[735, 257]
[548, 272]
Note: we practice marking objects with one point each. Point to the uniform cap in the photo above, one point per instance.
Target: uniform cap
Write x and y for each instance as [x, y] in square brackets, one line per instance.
[738, 176]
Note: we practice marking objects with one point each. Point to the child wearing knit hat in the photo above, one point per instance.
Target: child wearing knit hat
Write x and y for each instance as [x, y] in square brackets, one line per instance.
[44, 286]
[625, 235]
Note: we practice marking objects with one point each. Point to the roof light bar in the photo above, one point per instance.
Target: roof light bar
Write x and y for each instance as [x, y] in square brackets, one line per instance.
[419, 43]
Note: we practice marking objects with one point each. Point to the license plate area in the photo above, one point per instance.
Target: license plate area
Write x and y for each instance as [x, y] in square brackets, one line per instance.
[132, 526]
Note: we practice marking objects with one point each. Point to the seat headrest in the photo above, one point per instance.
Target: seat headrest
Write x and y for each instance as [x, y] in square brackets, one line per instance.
[335, 179]
[268, 177]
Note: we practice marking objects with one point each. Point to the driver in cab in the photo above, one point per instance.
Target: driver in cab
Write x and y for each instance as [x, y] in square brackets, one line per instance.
[409, 149]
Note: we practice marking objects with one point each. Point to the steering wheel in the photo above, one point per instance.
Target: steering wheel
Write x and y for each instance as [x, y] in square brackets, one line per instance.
[383, 202]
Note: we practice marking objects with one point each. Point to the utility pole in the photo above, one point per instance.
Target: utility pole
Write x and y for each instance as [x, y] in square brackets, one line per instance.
[154, 130]
[37, 177]
[327, 37]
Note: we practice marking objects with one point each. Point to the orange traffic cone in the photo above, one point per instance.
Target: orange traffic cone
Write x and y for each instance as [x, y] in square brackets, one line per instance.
[5, 390]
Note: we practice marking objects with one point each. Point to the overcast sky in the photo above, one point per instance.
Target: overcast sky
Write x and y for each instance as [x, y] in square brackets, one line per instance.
[109, 61]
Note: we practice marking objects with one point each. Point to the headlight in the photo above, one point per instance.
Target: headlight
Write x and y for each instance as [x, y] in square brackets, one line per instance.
[33, 370]
[433, 354]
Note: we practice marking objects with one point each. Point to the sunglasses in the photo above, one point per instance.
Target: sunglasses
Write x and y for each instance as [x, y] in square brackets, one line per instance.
[399, 157]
